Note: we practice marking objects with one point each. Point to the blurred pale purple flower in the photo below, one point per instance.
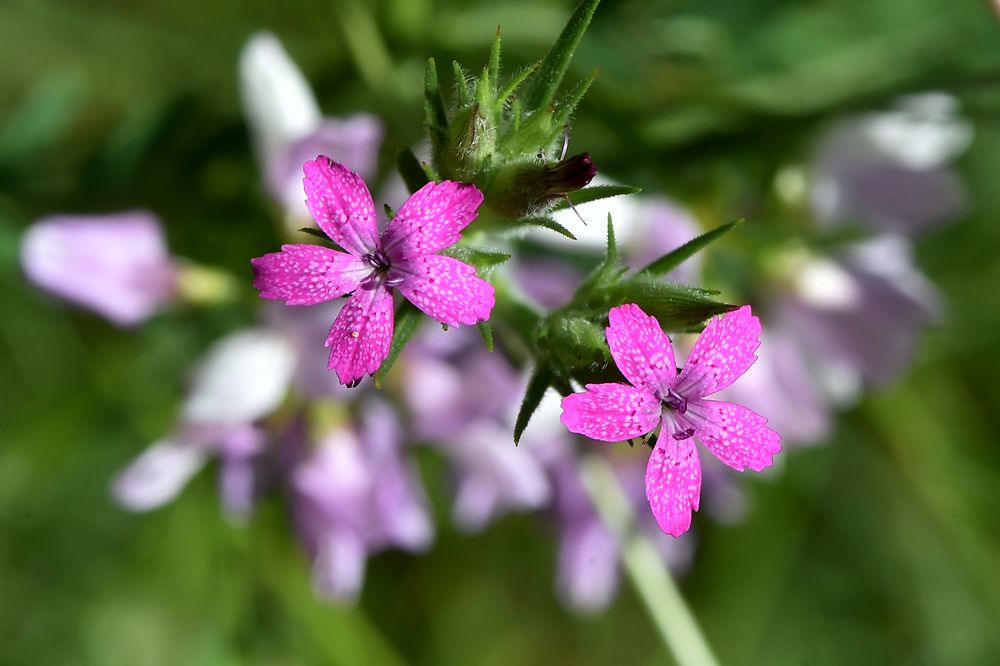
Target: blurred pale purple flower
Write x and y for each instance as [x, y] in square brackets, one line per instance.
[859, 315]
[117, 265]
[463, 400]
[890, 170]
[288, 128]
[354, 495]
[243, 378]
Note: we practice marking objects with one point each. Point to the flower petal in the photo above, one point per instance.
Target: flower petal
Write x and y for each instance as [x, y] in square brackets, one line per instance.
[158, 475]
[641, 349]
[361, 334]
[734, 434]
[446, 289]
[431, 219]
[611, 412]
[341, 204]
[723, 352]
[307, 274]
[673, 481]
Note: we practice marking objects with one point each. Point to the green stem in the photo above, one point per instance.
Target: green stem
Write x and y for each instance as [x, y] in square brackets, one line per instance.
[673, 619]
[366, 47]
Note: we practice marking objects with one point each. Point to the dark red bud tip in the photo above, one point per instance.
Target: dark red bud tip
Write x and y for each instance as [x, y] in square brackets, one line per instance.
[569, 175]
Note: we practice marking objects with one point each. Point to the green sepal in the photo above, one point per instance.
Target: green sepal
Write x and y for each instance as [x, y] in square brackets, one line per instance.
[484, 260]
[515, 82]
[407, 321]
[544, 222]
[318, 233]
[675, 258]
[434, 111]
[487, 334]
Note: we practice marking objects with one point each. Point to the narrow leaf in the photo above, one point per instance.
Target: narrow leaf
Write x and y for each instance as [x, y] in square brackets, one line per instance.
[516, 82]
[566, 107]
[545, 222]
[410, 170]
[540, 380]
[484, 260]
[595, 193]
[678, 308]
[407, 322]
[436, 118]
[674, 258]
[493, 70]
[461, 84]
[543, 86]
[487, 333]
[611, 257]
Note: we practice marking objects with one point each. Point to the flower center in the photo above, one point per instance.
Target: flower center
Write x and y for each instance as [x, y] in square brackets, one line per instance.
[675, 402]
[378, 260]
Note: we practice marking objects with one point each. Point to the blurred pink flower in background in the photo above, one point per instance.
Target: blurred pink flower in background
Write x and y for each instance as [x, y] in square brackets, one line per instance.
[116, 265]
[353, 494]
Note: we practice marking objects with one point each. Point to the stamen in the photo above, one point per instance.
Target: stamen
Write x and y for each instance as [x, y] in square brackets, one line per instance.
[676, 401]
[687, 434]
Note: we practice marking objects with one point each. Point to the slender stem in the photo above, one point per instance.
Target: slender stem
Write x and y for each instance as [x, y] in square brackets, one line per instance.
[365, 45]
[673, 619]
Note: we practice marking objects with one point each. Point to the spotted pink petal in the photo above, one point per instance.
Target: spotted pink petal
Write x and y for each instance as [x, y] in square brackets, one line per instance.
[445, 289]
[641, 349]
[339, 201]
[673, 481]
[362, 332]
[736, 435]
[723, 352]
[307, 274]
[611, 412]
[431, 219]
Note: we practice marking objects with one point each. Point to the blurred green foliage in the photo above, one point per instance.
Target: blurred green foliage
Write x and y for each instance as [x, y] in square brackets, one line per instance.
[878, 547]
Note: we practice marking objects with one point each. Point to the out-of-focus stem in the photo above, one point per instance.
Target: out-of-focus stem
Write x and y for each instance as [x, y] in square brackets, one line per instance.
[365, 45]
[673, 619]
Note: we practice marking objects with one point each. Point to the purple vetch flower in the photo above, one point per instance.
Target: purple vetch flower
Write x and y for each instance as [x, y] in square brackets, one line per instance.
[403, 257]
[117, 265]
[890, 170]
[354, 495]
[858, 315]
[659, 396]
[288, 128]
[463, 400]
[242, 379]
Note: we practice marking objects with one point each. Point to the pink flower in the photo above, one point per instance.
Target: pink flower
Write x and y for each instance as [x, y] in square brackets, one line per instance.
[403, 257]
[676, 402]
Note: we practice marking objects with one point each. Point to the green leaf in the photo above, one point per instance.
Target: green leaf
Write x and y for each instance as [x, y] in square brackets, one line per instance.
[595, 193]
[318, 233]
[410, 170]
[408, 319]
[540, 381]
[487, 333]
[674, 258]
[483, 260]
[493, 69]
[543, 86]
[611, 257]
[435, 116]
[544, 222]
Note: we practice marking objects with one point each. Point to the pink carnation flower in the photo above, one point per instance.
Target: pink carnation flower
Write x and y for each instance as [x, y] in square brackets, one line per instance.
[659, 395]
[403, 257]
